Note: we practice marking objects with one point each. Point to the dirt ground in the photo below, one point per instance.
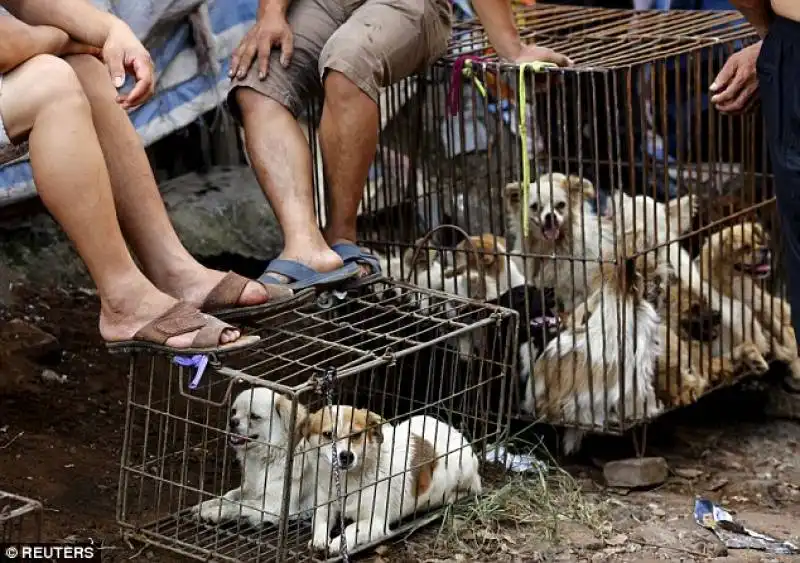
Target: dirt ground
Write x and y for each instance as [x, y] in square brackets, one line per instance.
[60, 442]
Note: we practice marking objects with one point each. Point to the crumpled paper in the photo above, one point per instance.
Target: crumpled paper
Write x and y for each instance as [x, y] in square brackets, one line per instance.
[733, 534]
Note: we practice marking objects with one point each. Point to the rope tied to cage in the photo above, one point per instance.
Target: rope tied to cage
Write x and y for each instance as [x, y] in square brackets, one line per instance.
[522, 104]
[326, 388]
[462, 68]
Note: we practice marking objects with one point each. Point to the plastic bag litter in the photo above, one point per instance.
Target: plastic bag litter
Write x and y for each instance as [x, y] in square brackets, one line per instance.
[733, 534]
[519, 463]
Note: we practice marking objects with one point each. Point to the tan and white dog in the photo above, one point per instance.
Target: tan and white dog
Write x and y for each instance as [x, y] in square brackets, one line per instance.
[261, 429]
[387, 473]
[736, 260]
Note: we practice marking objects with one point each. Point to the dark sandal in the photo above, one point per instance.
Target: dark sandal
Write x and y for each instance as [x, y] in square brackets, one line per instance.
[182, 319]
[352, 254]
[302, 277]
[221, 302]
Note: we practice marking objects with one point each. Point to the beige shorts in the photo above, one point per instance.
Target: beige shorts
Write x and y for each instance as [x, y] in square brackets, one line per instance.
[374, 43]
[4, 140]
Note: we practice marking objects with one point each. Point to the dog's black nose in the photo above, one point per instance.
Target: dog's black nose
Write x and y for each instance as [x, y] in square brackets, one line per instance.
[233, 422]
[549, 221]
[346, 458]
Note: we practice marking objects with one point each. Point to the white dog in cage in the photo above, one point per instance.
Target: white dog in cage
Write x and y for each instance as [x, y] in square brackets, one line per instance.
[261, 428]
[386, 473]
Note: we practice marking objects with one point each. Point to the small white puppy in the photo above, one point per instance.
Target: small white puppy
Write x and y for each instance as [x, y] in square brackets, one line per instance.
[260, 429]
[387, 473]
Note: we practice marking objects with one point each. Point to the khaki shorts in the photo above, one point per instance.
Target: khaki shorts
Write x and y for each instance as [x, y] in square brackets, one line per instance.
[374, 43]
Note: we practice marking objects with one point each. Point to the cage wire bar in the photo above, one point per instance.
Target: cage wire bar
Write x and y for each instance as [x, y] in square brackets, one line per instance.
[653, 280]
[400, 351]
[20, 519]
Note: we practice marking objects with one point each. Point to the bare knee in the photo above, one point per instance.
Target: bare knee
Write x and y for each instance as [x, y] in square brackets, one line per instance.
[92, 74]
[258, 108]
[42, 84]
[340, 90]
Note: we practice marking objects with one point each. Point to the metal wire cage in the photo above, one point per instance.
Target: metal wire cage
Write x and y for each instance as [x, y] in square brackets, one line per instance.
[20, 519]
[426, 373]
[628, 221]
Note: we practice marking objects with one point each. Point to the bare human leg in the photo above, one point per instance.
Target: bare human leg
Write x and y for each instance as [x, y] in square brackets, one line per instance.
[349, 139]
[44, 99]
[281, 160]
[142, 215]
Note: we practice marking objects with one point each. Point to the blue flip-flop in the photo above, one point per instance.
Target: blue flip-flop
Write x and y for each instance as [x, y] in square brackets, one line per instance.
[302, 277]
[353, 255]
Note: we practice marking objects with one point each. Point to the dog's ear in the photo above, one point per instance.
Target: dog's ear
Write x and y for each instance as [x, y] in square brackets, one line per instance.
[513, 194]
[374, 427]
[580, 187]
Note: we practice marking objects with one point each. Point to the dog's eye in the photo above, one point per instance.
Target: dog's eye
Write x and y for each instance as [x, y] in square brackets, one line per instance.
[254, 417]
[327, 435]
[561, 205]
[534, 207]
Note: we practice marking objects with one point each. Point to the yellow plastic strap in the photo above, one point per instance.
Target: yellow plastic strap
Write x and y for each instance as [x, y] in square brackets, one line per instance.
[534, 67]
[467, 72]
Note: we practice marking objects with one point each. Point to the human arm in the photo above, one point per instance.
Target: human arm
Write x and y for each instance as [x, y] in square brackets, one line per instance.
[737, 83]
[271, 29]
[498, 21]
[122, 51]
[20, 42]
[757, 12]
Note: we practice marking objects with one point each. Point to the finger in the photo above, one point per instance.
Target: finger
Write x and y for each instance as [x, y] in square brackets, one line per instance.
[743, 100]
[263, 59]
[246, 61]
[728, 71]
[115, 62]
[562, 60]
[732, 90]
[236, 59]
[287, 48]
[143, 89]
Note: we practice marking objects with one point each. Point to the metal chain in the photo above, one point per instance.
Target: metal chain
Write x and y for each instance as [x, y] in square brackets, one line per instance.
[326, 386]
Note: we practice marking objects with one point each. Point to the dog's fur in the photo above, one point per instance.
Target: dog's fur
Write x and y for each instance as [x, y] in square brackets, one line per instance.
[562, 225]
[580, 369]
[261, 431]
[387, 473]
[735, 260]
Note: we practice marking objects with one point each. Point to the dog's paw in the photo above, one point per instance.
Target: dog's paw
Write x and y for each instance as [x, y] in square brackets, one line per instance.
[751, 359]
[336, 545]
[209, 511]
[794, 369]
[319, 542]
[692, 388]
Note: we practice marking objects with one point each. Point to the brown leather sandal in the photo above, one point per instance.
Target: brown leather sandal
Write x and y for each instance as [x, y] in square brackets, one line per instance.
[222, 300]
[182, 319]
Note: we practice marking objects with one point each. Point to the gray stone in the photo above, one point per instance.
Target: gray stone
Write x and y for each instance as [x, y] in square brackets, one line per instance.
[636, 472]
[782, 403]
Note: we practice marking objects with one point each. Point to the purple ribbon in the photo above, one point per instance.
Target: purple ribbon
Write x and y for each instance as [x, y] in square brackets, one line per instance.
[454, 96]
[200, 361]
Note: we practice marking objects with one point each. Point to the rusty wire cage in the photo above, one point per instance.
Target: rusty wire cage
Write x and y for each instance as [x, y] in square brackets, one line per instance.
[638, 257]
[249, 441]
[20, 519]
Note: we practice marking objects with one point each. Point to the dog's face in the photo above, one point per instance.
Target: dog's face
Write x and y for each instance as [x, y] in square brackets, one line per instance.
[357, 434]
[551, 201]
[744, 248]
[262, 418]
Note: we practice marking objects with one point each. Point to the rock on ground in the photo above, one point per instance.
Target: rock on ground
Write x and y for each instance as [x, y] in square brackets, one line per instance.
[636, 472]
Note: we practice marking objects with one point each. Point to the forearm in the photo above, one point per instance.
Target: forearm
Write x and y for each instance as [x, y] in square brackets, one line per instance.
[79, 18]
[19, 42]
[498, 21]
[266, 7]
[756, 12]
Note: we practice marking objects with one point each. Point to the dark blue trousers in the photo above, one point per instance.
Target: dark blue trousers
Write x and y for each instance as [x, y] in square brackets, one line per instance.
[779, 84]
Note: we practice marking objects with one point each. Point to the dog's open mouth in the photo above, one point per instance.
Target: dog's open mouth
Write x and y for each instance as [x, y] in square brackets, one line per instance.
[551, 233]
[760, 270]
[237, 440]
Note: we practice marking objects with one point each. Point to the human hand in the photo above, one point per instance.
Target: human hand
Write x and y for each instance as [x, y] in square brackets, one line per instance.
[270, 30]
[533, 53]
[124, 54]
[735, 86]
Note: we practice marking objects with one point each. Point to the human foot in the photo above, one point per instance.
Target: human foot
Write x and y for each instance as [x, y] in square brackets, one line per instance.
[299, 277]
[369, 265]
[323, 260]
[123, 321]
